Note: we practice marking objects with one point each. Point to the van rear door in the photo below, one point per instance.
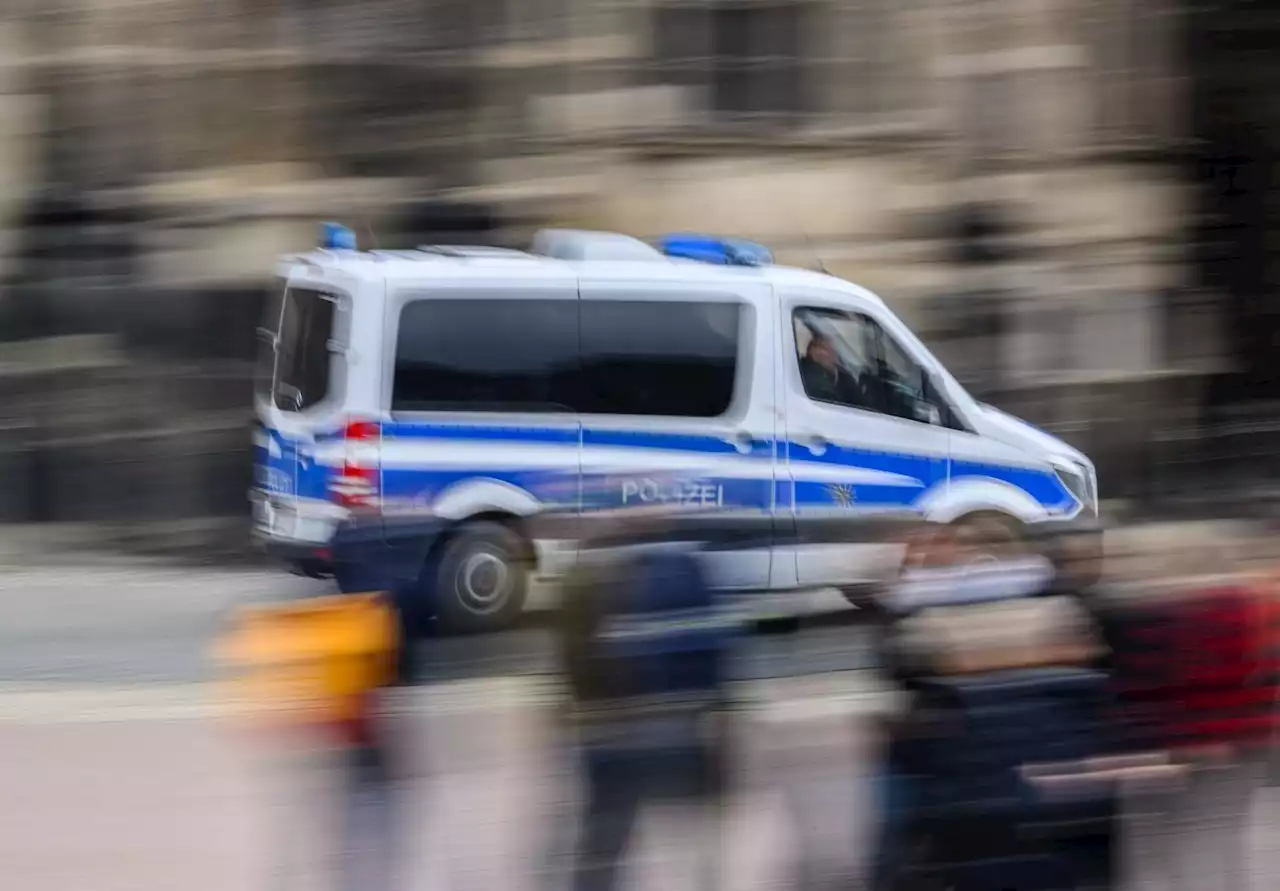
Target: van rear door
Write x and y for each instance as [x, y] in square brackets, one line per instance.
[294, 384]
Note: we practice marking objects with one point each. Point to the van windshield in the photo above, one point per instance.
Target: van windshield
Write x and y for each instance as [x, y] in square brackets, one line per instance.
[294, 357]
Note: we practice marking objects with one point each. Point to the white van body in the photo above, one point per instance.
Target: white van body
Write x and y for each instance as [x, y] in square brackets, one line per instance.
[392, 381]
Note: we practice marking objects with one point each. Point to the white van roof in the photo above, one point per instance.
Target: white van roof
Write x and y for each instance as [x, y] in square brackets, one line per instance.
[631, 260]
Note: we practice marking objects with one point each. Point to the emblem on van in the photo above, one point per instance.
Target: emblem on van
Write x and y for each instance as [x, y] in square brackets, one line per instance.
[842, 494]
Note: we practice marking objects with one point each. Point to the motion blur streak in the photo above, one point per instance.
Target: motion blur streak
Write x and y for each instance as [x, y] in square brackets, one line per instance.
[1070, 201]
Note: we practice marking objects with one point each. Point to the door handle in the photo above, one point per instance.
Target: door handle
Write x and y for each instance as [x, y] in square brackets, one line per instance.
[815, 444]
[742, 441]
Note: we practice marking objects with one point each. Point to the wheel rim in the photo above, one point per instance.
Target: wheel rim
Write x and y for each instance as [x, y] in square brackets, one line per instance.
[484, 581]
[983, 560]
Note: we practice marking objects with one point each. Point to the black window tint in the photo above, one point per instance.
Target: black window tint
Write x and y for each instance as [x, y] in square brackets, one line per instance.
[265, 369]
[301, 377]
[486, 355]
[658, 358]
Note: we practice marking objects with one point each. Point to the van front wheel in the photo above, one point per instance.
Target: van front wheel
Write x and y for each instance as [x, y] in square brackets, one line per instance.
[482, 579]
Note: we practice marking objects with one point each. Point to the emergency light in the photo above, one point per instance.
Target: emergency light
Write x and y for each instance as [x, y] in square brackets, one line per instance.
[712, 249]
[336, 237]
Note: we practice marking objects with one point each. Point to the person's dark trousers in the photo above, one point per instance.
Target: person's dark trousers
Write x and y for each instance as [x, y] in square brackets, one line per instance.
[367, 849]
[619, 784]
[895, 805]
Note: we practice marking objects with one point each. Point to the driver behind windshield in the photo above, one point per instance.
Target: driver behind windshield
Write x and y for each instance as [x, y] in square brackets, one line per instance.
[827, 379]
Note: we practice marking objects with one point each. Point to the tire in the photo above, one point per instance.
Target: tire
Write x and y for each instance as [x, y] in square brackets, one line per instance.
[312, 569]
[481, 579]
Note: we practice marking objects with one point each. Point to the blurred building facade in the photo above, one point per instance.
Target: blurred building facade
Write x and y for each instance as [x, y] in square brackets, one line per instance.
[1025, 180]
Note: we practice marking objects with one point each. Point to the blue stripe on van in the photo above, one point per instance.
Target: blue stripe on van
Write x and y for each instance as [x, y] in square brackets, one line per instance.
[1043, 486]
[675, 442]
[928, 470]
[921, 473]
[566, 433]
[427, 484]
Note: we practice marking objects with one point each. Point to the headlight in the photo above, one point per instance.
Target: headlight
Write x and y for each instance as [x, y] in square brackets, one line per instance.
[1079, 482]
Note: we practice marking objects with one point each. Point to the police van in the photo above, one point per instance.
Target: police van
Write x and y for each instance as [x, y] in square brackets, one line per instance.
[447, 381]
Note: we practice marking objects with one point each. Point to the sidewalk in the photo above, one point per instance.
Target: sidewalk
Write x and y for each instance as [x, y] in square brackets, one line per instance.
[179, 798]
[156, 802]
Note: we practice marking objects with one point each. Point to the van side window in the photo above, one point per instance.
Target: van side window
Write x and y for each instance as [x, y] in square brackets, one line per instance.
[265, 368]
[835, 351]
[486, 355]
[848, 359]
[302, 360]
[670, 358]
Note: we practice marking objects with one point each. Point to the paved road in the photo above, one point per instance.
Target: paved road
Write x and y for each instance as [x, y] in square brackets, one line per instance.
[119, 625]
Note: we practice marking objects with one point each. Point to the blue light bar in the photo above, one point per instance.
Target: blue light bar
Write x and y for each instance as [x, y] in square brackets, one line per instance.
[336, 237]
[711, 249]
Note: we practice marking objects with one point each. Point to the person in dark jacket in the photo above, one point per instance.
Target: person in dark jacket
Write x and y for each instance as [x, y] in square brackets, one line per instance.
[826, 379]
[948, 570]
[643, 643]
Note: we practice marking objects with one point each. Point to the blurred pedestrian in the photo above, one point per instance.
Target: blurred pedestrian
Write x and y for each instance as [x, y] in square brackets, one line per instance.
[318, 670]
[1191, 670]
[368, 852]
[643, 640]
[963, 604]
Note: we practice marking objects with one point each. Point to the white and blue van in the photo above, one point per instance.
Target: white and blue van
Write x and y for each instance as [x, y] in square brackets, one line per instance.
[448, 380]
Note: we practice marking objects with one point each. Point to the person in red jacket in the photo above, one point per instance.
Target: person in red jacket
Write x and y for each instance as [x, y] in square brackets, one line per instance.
[1190, 674]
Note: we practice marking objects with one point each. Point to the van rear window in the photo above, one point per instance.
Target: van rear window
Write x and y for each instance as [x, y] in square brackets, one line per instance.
[618, 357]
[302, 357]
[675, 359]
[486, 355]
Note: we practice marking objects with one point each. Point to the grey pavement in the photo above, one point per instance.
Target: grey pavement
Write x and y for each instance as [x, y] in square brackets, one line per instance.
[135, 800]
[155, 800]
[121, 623]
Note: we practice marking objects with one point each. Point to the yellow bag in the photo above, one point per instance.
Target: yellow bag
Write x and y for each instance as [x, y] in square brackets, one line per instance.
[311, 662]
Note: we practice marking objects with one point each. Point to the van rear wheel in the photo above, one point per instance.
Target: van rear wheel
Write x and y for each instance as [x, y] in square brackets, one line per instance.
[482, 579]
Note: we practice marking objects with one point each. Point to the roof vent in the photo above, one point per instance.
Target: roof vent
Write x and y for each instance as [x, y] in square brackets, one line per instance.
[578, 244]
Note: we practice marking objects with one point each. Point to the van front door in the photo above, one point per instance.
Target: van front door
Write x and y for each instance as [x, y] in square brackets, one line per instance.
[295, 397]
[863, 435]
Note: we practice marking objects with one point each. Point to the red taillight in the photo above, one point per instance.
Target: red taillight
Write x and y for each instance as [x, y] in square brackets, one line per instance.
[362, 431]
[356, 486]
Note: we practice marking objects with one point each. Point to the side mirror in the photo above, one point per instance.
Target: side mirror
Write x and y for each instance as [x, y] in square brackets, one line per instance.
[293, 394]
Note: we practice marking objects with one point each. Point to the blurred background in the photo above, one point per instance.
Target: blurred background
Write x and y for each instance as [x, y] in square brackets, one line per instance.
[1071, 200]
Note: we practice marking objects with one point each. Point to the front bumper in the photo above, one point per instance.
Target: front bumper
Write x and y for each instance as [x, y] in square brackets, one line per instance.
[1084, 524]
[1081, 541]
